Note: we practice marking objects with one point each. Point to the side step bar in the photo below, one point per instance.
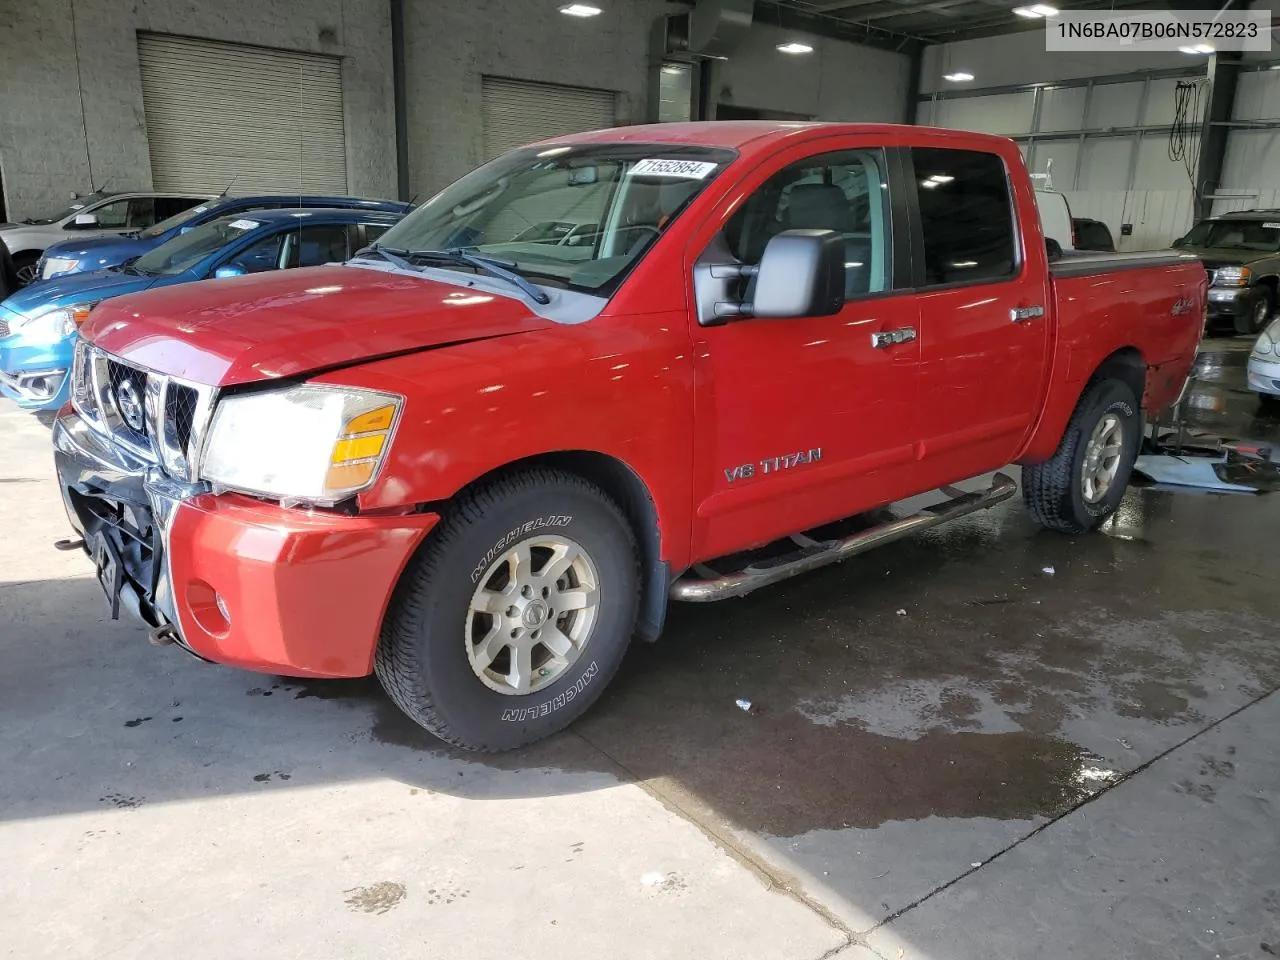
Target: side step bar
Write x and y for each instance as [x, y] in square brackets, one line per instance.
[814, 554]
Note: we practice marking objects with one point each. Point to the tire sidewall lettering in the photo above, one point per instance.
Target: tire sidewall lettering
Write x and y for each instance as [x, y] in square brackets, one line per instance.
[515, 535]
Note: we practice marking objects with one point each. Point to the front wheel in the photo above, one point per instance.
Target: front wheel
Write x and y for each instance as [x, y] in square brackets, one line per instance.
[1082, 484]
[1256, 319]
[515, 614]
[25, 268]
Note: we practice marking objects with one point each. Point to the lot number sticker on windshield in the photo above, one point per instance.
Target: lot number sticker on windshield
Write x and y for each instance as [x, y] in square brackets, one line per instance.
[1271, 226]
[680, 169]
[244, 224]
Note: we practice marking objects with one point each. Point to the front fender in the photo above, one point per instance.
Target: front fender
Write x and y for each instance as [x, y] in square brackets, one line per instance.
[617, 386]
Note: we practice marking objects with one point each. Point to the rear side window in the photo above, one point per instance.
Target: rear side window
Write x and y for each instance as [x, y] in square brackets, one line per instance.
[966, 216]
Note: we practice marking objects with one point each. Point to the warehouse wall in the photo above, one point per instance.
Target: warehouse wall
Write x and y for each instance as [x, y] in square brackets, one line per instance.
[1018, 58]
[452, 44]
[71, 98]
[838, 81]
[71, 112]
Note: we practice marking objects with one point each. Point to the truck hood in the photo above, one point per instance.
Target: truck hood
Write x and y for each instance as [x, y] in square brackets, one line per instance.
[1218, 257]
[291, 322]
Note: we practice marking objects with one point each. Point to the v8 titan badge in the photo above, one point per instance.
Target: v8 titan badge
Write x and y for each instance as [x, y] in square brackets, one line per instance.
[773, 464]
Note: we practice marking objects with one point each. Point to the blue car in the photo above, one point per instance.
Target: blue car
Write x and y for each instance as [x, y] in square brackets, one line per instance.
[38, 323]
[98, 253]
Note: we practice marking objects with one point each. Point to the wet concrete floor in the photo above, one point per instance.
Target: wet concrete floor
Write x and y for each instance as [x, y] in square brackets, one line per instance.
[915, 712]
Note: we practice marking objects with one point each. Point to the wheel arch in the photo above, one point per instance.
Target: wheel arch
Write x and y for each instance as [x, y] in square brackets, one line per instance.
[1272, 282]
[1127, 365]
[622, 483]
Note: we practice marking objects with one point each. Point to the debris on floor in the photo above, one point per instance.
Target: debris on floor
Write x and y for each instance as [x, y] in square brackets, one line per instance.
[744, 705]
[1048, 571]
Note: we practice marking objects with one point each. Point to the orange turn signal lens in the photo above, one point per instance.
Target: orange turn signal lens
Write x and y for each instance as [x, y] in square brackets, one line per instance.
[379, 419]
[358, 448]
[349, 476]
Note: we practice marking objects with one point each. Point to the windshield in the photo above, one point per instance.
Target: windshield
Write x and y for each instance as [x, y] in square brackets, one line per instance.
[175, 221]
[577, 216]
[185, 251]
[1260, 235]
[79, 204]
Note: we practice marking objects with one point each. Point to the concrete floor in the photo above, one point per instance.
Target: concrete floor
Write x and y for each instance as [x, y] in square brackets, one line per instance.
[953, 753]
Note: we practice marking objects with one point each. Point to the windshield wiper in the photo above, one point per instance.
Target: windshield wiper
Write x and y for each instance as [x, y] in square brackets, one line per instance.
[502, 269]
[392, 255]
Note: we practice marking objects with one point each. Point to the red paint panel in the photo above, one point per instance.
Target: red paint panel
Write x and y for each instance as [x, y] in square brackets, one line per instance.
[305, 592]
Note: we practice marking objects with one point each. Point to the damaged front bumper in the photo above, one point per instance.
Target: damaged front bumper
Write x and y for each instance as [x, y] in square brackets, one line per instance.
[233, 579]
[122, 506]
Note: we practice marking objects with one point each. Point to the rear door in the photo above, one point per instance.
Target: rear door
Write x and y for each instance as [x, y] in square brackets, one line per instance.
[805, 420]
[984, 309]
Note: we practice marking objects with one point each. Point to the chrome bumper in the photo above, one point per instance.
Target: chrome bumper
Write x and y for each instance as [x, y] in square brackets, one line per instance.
[112, 494]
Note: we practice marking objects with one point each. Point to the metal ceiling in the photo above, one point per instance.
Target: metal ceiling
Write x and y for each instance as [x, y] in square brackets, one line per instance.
[903, 22]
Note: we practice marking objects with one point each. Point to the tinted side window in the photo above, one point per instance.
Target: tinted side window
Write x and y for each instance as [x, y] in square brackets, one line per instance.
[846, 192]
[167, 207]
[966, 215]
[314, 245]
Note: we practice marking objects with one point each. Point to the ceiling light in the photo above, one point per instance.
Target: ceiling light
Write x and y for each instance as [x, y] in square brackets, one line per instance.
[794, 47]
[1198, 49]
[672, 70]
[941, 178]
[1026, 12]
[580, 10]
[960, 76]
[1044, 9]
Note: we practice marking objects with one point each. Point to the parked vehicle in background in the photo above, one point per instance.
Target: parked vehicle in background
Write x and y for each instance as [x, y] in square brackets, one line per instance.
[1241, 254]
[38, 324]
[97, 253]
[98, 214]
[1091, 235]
[478, 465]
[1264, 367]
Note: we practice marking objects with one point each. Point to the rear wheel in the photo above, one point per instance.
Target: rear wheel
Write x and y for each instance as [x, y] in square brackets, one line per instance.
[516, 613]
[1084, 481]
[25, 266]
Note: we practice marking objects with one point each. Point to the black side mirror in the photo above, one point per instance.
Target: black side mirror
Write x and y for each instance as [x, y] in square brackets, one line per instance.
[800, 275]
[1054, 248]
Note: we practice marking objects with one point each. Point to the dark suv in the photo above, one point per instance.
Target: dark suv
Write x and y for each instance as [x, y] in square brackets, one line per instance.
[1241, 253]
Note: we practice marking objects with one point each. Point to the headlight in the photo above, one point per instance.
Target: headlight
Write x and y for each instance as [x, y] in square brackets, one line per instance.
[313, 443]
[1267, 340]
[54, 323]
[55, 265]
[1231, 277]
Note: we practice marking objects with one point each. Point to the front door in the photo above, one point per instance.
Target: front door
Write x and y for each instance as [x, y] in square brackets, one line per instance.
[803, 421]
[984, 313]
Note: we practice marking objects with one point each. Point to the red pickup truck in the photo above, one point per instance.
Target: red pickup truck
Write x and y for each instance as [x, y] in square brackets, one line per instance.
[592, 375]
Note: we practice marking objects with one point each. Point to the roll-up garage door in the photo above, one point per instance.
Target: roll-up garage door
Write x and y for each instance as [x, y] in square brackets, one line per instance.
[269, 120]
[516, 112]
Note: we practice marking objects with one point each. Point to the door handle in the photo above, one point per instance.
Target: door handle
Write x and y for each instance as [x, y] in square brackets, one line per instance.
[887, 338]
[1019, 314]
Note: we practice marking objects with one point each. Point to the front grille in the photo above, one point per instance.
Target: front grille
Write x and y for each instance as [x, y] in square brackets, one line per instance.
[4, 328]
[153, 416]
[180, 404]
[127, 388]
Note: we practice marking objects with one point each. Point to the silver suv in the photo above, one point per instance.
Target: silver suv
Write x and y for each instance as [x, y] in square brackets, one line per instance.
[95, 215]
